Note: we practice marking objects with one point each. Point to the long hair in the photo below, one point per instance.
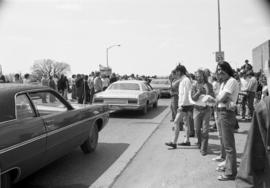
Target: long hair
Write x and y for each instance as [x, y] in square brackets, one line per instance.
[182, 69]
[226, 67]
[203, 73]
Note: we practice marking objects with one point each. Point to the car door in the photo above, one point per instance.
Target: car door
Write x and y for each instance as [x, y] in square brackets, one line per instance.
[23, 140]
[64, 127]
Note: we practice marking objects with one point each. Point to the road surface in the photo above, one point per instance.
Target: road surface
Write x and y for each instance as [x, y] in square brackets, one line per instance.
[119, 141]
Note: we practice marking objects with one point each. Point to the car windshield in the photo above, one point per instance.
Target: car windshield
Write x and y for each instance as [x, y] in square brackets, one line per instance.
[160, 82]
[124, 86]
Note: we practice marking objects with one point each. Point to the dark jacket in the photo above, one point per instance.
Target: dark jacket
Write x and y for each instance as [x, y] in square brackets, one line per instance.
[254, 171]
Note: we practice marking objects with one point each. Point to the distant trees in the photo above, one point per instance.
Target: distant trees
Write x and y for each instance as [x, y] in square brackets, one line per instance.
[49, 67]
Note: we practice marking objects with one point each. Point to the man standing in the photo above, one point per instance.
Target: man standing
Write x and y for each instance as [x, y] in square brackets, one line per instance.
[44, 82]
[226, 104]
[254, 170]
[251, 92]
[98, 83]
[185, 107]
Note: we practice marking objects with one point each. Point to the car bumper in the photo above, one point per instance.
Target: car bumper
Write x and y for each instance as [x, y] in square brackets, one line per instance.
[116, 107]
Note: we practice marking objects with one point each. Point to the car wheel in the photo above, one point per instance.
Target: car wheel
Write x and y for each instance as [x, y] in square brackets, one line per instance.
[155, 104]
[90, 144]
[6, 181]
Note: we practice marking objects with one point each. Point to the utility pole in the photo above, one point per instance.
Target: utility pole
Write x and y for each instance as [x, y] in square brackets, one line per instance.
[219, 29]
[219, 53]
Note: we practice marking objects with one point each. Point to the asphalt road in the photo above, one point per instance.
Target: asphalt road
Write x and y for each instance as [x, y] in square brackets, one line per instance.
[157, 166]
[119, 141]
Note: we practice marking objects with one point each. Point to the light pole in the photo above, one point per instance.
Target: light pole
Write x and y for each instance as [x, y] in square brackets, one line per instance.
[107, 52]
[219, 28]
[219, 53]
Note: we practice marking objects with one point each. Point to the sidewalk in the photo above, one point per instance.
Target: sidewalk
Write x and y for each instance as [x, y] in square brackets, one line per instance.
[158, 166]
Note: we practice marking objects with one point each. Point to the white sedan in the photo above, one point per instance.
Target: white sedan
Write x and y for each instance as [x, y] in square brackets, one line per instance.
[128, 95]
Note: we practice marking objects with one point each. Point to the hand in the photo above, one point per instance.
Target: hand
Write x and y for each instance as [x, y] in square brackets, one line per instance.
[173, 128]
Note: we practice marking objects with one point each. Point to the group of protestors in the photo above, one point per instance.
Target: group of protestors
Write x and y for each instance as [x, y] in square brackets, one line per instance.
[221, 95]
[81, 86]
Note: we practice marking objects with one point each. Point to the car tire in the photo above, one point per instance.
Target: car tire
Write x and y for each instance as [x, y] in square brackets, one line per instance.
[155, 105]
[90, 145]
[6, 181]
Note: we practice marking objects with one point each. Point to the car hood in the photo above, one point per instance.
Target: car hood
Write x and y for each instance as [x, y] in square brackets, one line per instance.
[160, 86]
[118, 94]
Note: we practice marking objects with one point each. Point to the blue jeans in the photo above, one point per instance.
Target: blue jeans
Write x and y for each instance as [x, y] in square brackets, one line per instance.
[201, 122]
[226, 121]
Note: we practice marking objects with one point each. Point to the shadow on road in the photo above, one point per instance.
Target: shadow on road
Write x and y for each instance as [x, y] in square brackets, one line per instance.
[76, 170]
[130, 114]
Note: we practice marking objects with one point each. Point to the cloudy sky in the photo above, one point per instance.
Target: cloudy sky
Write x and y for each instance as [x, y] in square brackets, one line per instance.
[154, 34]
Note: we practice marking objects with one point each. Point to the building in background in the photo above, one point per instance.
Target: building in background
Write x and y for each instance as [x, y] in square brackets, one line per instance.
[260, 55]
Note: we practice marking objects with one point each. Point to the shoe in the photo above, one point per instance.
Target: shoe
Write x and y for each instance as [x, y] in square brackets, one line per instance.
[184, 144]
[203, 153]
[192, 135]
[224, 177]
[171, 145]
[220, 169]
[218, 159]
[222, 163]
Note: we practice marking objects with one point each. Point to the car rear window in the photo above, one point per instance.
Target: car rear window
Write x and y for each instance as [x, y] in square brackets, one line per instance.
[124, 86]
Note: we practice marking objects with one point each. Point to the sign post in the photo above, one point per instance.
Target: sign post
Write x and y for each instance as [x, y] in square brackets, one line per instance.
[219, 56]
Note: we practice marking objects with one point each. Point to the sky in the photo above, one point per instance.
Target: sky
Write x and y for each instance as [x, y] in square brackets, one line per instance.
[154, 35]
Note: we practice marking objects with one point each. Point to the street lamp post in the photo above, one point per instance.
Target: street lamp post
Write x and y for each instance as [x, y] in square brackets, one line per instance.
[219, 53]
[219, 29]
[107, 52]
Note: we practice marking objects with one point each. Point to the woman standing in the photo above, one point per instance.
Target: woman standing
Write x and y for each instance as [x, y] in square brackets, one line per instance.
[201, 111]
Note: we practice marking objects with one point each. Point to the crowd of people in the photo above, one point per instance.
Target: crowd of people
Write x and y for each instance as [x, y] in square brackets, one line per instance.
[81, 86]
[223, 95]
[195, 99]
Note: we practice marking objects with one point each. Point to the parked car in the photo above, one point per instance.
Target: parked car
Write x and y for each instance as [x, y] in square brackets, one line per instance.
[38, 126]
[163, 86]
[128, 95]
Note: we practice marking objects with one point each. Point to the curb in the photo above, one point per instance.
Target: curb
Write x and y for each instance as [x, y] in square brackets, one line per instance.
[107, 179]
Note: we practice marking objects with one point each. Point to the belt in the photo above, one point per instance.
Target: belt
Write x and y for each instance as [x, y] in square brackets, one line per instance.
[200, 107]
[223, 109]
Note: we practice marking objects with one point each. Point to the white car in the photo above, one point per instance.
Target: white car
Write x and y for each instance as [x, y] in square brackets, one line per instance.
[162, 85]
[128, 95]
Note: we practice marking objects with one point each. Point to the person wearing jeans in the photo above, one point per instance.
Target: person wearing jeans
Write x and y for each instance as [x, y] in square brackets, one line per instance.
[201, 112]
[226, 104]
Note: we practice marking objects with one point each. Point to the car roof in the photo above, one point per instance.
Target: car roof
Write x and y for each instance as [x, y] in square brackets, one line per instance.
[10, 89]
[130, 81]
[8, 92]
